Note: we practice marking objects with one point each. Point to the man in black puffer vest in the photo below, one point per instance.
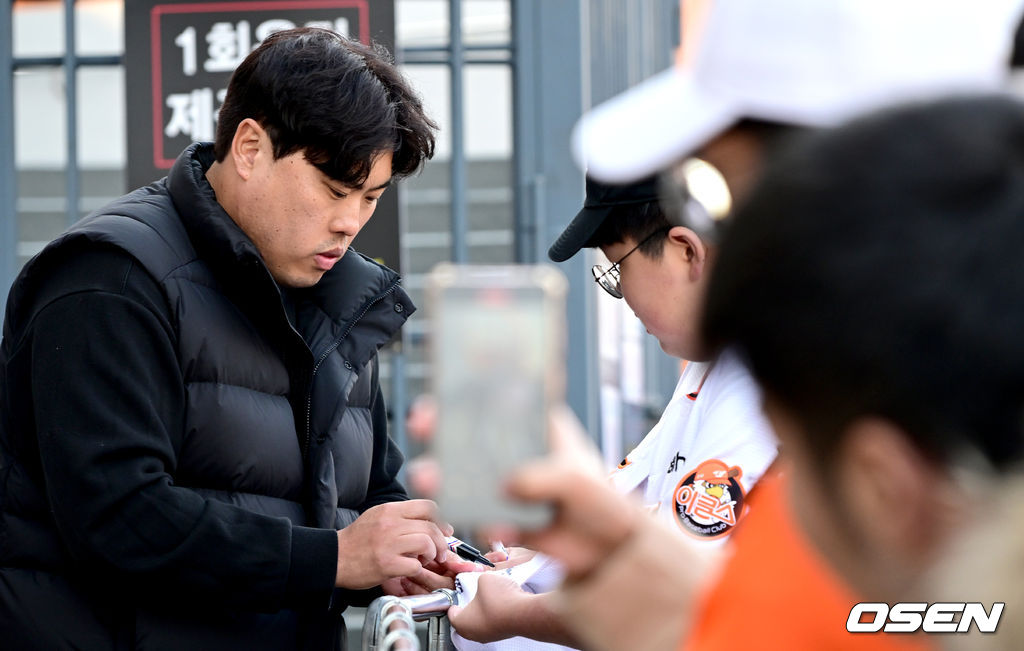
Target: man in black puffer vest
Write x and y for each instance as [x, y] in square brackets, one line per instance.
[194, 443]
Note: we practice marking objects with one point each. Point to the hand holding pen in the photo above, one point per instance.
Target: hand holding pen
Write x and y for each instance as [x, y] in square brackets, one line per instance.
[467, 551]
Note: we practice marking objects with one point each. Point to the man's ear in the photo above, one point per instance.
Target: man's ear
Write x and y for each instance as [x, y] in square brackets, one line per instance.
[691, 247]
[898, 500]
[249, 138]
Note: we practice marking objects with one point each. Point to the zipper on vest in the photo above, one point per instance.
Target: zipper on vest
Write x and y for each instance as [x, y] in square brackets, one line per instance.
[309, 391]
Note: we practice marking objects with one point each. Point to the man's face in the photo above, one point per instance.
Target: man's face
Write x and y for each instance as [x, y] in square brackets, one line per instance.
[663, 293]
[301, 220]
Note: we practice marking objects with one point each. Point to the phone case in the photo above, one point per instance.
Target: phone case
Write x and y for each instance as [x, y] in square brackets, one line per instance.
[497, 347]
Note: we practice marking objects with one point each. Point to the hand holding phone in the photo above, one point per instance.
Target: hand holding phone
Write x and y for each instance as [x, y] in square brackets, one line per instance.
[497, 346]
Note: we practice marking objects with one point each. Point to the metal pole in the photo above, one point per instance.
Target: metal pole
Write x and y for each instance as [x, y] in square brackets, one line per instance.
[430, 605]
[551, 77]
[72, 187]
[460, 253]
[8, 171]
[527, 195]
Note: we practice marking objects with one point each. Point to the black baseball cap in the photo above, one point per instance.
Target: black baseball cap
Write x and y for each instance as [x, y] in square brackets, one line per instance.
[601, 201]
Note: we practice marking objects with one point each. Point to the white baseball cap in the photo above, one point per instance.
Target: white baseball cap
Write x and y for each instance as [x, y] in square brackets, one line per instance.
[801, 62]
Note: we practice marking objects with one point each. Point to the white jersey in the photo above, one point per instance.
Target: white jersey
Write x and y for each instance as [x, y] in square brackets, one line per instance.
[711, 445]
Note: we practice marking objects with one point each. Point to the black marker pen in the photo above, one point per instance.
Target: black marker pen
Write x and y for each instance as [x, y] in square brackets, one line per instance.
[467, 551]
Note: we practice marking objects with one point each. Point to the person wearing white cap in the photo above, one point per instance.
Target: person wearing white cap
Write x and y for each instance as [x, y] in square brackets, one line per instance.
[808, 64]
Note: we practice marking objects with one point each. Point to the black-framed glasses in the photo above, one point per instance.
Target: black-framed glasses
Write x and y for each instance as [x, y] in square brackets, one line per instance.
[608, 278]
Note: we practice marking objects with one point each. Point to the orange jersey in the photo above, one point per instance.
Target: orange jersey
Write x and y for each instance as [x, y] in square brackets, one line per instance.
[777, 592]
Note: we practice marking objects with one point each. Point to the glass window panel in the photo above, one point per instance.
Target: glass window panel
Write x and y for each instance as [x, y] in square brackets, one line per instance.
[99, 27]
[486, 22]
[101, 117]
[40, 155]
[433, 83]
[38, 28]
[487, 91]
[425, 204]
[40, 136]
[101, 135]
[421, 23]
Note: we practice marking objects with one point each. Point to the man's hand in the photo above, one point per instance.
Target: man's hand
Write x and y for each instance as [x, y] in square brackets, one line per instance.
[432, 576]
[390, 540]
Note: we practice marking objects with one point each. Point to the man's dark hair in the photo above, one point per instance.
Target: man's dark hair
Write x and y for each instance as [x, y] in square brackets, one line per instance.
[337, 100]
[876, 270]
[635, 221]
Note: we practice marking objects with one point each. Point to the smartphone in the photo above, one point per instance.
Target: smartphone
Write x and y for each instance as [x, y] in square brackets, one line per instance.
[497, 345]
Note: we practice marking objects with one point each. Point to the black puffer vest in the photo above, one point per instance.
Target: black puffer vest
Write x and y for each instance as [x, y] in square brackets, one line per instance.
[268, 404]
[279, 416]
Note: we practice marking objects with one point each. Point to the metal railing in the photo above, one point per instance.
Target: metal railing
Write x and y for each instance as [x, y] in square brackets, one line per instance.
[389, 623]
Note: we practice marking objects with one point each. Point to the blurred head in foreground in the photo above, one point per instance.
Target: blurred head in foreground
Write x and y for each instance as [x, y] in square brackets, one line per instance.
[809, 64]
[873, 281]
[762, 69]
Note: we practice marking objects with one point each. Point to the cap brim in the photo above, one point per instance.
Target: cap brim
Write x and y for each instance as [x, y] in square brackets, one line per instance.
[648, 127]
[577, 233]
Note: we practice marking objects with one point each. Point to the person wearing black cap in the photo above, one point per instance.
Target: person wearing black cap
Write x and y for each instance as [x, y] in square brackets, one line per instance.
[712, 439]
[712, 443]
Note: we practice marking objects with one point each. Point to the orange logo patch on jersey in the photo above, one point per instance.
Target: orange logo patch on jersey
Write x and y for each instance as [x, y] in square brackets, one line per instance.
[709, 500]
